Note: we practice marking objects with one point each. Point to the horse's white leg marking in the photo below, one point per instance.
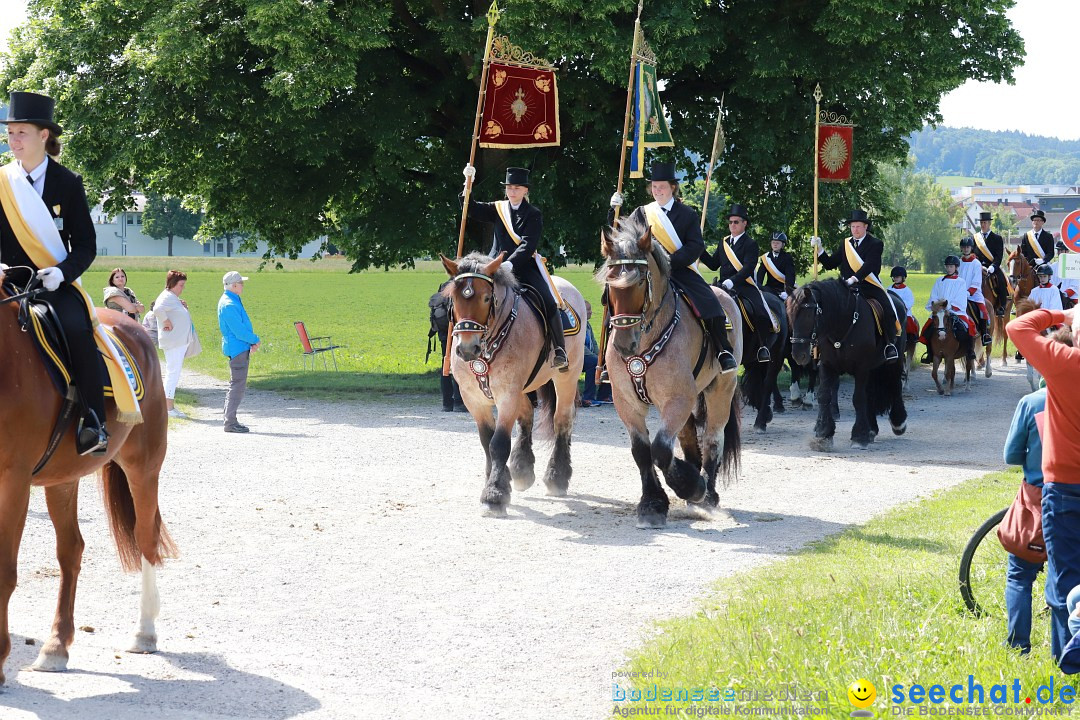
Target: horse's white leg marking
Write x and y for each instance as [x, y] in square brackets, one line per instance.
[149, 606]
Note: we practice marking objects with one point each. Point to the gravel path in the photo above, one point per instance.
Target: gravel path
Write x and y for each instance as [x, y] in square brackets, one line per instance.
[335, 564]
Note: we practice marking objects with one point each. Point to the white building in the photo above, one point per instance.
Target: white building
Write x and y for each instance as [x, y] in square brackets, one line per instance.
[122, 235]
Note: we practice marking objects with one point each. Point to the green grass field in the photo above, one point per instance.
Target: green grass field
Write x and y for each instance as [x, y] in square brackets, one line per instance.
[380, 317]
[954, 181]
[879, 601]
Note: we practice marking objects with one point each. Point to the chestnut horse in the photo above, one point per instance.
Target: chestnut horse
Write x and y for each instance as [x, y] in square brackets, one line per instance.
[945, 347]
[651, 357]
[1022, 278]
[129, 472]
[496, 359]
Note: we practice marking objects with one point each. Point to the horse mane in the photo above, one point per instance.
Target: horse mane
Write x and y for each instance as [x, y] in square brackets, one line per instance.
[475, 262]
[624, 242]
[823, 292]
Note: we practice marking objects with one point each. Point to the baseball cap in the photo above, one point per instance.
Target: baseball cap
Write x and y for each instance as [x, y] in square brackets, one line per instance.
[232, 277]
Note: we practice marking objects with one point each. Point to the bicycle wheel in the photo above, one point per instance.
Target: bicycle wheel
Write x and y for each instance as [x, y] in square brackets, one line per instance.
[982, 570]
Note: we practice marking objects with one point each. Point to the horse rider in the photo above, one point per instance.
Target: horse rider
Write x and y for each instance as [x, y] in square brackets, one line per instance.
[971, 271]
[33, 136]
[1046, 295]
[899, 286]
[990, 249]
[1070, 287]
[954, 289]
[859, 260]
[735, 259]
[1037, 245]
[677, 227]
[518, 225]
[776, 269]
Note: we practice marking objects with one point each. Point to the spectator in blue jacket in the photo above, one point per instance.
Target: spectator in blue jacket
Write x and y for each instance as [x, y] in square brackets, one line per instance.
[1023, 447]
[238, 341]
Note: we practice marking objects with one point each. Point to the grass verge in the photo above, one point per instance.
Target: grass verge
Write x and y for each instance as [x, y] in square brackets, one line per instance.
[878, 601]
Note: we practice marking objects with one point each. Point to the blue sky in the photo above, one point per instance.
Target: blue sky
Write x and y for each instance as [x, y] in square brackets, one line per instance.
[1042, 102]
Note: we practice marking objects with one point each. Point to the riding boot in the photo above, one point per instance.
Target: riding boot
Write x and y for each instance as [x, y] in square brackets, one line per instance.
[726, 356]
[91, 438]
[559, 356]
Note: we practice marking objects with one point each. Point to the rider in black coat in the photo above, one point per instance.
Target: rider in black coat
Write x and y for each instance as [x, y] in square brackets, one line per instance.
[1042, 237]
[869, 248]
[782, 262]
[990, 253]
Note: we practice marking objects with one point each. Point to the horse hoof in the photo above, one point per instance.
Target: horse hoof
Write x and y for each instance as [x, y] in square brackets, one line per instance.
[50, 662]
[899, 429]
[522, 481]
[652, 521]
[856, 445]
[555, 491]
[821, 444]
[494, 510]
[760, 429]
[143, 644]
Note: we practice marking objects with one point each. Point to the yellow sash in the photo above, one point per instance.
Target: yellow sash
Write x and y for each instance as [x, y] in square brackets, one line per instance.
[980, 244]
[39, 238]
[771, 268]
[734, 259]
[856, 262]
[502, 207]
[1036, 246]
[664, 231]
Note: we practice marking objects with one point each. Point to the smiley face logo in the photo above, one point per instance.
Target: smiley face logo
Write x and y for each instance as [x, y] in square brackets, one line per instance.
[861, 693]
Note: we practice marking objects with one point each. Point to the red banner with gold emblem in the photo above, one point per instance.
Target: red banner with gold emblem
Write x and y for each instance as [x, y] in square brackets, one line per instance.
[834, 153]
[521, 108]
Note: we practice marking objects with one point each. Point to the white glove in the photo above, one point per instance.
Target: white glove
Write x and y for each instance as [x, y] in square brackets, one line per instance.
[852, 280]
[728, 284]
[815, 242]
[991, 269]
[616, 199]
[51, 277]
[783, 296]
[469, 171]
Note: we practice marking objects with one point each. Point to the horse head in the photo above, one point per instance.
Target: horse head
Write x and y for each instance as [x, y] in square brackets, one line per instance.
[939, 309]
[635, 272]
[479, 283]
[1021, 275]
[804, 315]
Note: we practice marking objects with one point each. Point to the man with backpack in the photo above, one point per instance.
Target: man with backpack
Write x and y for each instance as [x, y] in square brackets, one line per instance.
[439, 317]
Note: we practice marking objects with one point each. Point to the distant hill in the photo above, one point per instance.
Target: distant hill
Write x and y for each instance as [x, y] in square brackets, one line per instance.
[1006, 157]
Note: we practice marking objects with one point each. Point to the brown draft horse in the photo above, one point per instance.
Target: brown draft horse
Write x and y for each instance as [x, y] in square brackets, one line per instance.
[496, 347]
[651, 357]
[129, 471]
[945, 347]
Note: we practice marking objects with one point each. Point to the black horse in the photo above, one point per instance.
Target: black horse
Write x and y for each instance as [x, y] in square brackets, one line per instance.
[759, 379]
[829, 318]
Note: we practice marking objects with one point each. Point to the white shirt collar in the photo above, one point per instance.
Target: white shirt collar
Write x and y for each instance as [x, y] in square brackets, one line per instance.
[670, 204]
[735, 238]
[516, 207]
[38, 174]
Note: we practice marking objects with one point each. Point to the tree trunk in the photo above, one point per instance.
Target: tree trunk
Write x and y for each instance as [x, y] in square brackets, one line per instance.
[170, 244]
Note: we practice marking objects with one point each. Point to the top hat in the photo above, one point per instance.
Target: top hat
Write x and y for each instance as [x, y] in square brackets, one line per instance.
[1038, 214]
[517, 176]
[738, 210]
[985, 216]
[858, 216]
[28, 107]
[661, 171]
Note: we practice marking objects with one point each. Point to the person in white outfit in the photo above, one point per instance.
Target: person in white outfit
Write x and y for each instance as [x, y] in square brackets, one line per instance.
[899, 286]
[971, 270]
[953, 288]
[1046, 295]
[174, 331]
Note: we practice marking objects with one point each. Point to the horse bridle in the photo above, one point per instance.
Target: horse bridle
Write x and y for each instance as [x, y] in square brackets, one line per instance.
[626, 320]
[469, 326]
[489, 348]
[812, 341]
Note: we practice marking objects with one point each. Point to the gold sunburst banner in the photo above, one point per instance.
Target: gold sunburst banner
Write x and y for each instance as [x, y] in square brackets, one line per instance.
[834, 153]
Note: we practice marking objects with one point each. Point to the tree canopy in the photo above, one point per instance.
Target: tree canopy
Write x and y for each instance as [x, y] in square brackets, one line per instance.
[289, 120]
[1006, 156]
[166, 217]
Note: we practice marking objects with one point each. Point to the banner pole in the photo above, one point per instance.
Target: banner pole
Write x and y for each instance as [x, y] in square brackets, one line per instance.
[717, 142]
[817, 139]
[629, 104]
[492, 18]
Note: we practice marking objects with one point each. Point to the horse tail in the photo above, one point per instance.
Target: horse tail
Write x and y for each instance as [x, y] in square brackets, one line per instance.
[885, 386]
[753, 382]
[544, 427]
[121, 509]
[731, 455]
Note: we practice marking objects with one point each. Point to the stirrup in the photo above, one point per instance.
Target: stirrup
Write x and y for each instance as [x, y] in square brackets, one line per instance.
[559, 360]
[763, 354]
[91, 439]
[890, 352]
[604, 379]
[1000, 312]
[987, 340]
[727, 361]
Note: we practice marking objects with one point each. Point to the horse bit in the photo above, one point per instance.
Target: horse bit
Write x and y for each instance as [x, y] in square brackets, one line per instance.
[481, 366]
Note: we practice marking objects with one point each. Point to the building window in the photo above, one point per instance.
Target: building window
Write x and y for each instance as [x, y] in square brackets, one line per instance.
[130, 218]
[206, 248]
[138, 218]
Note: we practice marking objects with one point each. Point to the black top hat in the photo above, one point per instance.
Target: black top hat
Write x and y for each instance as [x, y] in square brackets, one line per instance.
[517, 176]
[661, 171]
[858, 216]
[778, 236]
[985, 216]
[1038, 214]
[738, 210]
[32, 108]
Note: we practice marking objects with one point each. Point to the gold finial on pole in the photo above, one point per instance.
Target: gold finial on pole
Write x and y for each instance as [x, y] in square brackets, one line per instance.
[717, 149]
[817, 139]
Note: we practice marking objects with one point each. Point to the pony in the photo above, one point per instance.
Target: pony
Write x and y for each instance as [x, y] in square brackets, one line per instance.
[836, 324]
[499, 354]
[759, 379]
[129, 473]
[658, 354]
[943, 345]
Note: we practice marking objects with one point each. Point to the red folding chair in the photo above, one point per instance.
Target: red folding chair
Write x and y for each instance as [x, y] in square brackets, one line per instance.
[312, 346]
